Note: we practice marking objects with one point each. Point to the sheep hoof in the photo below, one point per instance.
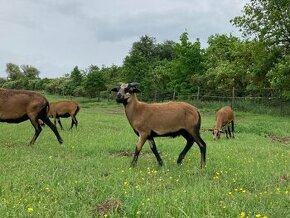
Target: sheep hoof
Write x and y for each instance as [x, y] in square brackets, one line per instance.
[133, 164]
[179, 161]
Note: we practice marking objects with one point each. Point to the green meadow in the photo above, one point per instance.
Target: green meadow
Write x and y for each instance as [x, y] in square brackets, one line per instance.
[89, 175]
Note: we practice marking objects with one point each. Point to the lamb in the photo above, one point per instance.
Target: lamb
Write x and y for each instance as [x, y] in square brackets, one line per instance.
[224, 117]
[160, 119]
[17, 106]
[64, 109]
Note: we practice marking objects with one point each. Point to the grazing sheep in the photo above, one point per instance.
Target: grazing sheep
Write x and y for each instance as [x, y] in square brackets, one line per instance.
[224, 117]
[64, 109]
[160, 119]
[19, 105]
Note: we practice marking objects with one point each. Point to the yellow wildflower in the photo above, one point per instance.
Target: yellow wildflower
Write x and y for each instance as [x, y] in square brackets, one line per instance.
[242, 214]
[30, 209]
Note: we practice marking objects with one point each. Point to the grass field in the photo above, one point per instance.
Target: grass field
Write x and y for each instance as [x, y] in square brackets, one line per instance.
[90, 175]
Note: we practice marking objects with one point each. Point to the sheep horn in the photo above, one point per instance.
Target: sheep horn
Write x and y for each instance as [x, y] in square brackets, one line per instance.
[134, 84]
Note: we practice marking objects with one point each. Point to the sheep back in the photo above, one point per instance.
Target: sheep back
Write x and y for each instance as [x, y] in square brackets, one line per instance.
[225, 115]
[63, 108]
[165, 118]
[16, 105]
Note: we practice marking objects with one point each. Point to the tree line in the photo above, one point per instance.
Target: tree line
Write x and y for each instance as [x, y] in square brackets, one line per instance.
[261, 59]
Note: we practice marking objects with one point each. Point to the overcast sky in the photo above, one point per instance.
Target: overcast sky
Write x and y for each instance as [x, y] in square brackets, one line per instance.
[56, 35]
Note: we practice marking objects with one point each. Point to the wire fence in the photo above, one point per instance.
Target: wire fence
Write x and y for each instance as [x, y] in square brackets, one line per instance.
[270, 101]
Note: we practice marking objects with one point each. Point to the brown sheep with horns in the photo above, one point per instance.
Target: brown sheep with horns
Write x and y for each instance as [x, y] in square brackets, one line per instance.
[160, 119]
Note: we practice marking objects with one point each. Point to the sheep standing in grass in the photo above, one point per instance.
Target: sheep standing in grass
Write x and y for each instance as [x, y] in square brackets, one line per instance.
[160, 119]
[19, 105]
[64, 109]
[224, 117]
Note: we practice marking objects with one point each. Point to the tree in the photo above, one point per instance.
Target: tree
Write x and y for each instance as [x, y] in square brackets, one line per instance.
[157, 80]
[2, 81]
[140, 59]
[188, 62]
[279, 75]
[13, 71]
[94, 82]
[165, 51]
[30, 72]
[266, 20]
[112, 75]
[76, 77]
[226, 66]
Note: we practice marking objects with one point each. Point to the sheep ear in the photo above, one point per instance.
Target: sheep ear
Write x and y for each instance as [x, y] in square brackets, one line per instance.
[114, 90]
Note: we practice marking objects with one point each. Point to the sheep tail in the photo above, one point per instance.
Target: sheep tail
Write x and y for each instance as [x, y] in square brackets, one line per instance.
[77, 110]
[197, 127]
[47, 108]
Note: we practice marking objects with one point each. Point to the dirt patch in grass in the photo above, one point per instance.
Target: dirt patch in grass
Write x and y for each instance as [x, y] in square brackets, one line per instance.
[284, 179]
[130, 153]
[108, 206]
[121, 154]
[283, 140]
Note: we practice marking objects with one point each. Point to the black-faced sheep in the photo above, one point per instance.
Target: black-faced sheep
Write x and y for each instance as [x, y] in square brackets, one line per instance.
[19, 105]
[64, 109]
[224, 117]
[160, 119]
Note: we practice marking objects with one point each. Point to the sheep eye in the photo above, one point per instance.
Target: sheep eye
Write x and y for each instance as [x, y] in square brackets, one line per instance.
[128, 90]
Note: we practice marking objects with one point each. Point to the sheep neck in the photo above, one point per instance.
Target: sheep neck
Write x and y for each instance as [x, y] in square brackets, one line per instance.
[219, 123]
[130, 108]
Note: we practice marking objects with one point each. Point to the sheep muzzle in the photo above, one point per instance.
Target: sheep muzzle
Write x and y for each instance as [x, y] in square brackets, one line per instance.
[121, 99]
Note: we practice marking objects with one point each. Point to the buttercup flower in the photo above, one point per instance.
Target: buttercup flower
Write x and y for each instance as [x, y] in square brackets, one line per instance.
[30, 209]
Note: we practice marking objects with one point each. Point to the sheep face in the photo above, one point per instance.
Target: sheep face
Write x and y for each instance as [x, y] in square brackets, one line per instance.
[216, 133]
[125, 91]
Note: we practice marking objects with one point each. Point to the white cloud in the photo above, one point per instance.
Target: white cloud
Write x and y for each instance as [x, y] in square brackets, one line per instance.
[54, 36]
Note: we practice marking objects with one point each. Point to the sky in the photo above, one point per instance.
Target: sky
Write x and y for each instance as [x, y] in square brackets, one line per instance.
[56, 35]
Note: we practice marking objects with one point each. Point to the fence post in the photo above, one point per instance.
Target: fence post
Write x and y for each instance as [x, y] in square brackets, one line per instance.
[281, 103]
[173, 94]
[233, 97]
[198, 90]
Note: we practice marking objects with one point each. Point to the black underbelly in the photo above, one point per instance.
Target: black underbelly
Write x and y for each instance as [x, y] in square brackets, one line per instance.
[181, 132]
[16, 120]
[63, 115]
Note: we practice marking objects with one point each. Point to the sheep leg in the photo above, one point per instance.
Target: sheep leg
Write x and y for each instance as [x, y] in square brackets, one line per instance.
[189, 143]
[37, 128]
[54, 121]
[76, 122]
[233, 129]
[47, 121]
[226, 131]
[58, 120]
[229, 130]
[154, 150]
[73, 121]
[202, 147]
[141, 141]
